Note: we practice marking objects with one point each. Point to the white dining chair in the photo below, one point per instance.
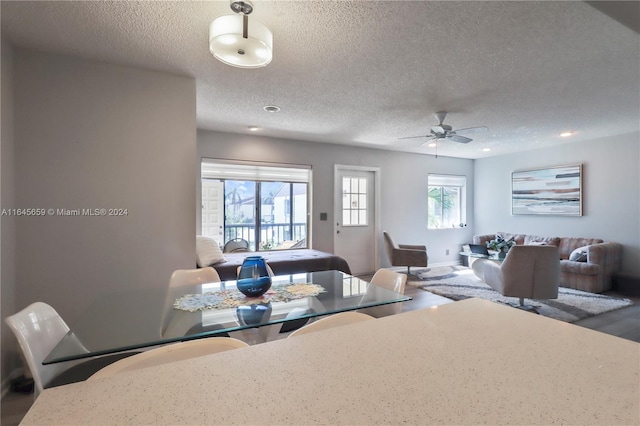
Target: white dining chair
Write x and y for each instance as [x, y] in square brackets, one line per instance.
[335, 320]
[170, 353]
[182, 278]
[38, 329]
[390, 280]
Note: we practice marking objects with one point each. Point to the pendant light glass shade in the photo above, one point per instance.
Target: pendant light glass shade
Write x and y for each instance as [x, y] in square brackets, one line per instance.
[227, 44]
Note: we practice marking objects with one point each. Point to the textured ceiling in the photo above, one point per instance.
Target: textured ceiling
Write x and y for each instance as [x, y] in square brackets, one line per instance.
[370, 72]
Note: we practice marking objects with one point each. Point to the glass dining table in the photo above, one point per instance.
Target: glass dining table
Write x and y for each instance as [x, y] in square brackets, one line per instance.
[127, 320]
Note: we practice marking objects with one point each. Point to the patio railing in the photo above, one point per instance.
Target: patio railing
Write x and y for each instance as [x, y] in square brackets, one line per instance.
[272, 234]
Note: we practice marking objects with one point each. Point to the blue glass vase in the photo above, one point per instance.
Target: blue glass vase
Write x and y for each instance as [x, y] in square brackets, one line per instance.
[254, 279]
[254, 314]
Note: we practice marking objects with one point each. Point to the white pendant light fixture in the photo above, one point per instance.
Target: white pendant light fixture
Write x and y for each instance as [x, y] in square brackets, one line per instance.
[236, 42]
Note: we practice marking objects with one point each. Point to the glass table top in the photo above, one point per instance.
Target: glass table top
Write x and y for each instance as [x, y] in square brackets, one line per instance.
[491, 256]
[127, 320]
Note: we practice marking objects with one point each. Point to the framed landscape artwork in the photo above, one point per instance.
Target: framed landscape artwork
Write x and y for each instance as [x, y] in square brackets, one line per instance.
[550, 191]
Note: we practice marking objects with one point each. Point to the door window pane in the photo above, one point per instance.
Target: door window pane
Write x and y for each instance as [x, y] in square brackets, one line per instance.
[274, 214]
[240, 210]
[346, 217]
[299, 203]
[354, 201]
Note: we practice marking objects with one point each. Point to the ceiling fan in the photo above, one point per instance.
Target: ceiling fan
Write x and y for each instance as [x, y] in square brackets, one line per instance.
[444, 131]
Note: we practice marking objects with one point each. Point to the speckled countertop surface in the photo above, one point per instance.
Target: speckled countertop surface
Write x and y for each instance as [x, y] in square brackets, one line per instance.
[468, 362]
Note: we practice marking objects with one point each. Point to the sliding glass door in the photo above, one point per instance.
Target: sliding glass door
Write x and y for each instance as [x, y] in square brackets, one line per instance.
[269, 214]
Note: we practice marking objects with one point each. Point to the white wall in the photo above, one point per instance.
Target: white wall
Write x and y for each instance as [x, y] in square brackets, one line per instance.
[7, 226]
[403, 186]
[611, 194]
[96, 135]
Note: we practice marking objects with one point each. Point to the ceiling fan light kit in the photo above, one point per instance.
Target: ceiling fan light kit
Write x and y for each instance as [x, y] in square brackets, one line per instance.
[235, 41]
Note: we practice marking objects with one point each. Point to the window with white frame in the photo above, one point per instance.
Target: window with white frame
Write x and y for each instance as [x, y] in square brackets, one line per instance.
[265, 204]
[447, 201]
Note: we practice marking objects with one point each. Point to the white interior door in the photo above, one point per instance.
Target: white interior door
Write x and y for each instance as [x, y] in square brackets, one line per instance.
[355, 230]
[213, 210]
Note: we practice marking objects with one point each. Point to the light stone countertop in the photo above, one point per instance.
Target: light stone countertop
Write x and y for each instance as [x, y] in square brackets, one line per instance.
[468, 362]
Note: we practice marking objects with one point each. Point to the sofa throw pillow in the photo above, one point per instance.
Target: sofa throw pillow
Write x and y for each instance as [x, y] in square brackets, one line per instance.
[579, 255]
[551, 241]
[208, 252]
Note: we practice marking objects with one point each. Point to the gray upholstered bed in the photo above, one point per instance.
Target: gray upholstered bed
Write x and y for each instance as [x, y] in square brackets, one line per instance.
[284, 262]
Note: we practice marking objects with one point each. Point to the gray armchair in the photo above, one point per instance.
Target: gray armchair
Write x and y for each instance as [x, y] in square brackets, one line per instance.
[405, 255]
[531, 272]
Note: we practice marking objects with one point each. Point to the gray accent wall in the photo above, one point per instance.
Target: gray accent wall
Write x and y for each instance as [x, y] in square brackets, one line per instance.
[611, 194]
[92, 135]
[403, 192]
[8, 357]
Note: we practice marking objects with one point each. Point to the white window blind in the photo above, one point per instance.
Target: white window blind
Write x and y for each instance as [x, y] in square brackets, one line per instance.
[221, 169]
[447, 180]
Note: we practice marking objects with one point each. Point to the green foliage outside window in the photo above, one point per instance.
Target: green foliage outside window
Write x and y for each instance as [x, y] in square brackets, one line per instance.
[444, 206]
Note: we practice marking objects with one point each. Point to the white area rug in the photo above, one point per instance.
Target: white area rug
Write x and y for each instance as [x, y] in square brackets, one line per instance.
[459, 282]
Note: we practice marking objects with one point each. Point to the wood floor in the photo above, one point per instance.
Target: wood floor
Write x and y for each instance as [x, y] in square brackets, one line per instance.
[624, 323]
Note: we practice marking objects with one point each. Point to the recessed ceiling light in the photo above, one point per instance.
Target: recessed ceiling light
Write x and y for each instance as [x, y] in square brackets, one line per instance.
[253, 128]
[486, 149]
[433, 145]
[272, 108]
[566, 134]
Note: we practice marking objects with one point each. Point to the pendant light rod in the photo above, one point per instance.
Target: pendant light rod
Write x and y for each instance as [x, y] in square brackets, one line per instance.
[242, 7]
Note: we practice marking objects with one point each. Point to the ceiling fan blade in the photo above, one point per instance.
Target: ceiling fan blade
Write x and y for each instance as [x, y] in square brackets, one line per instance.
[470, 130]
[458, 138]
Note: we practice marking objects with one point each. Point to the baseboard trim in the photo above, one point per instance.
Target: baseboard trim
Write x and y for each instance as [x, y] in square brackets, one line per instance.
[403, 269]
[5, 385]
[626, 284]
[452, 263]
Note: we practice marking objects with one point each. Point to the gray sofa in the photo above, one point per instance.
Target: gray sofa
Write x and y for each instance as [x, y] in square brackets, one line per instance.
[586, 264]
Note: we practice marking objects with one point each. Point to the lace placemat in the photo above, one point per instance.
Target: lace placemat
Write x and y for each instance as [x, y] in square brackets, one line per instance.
[224, 299]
